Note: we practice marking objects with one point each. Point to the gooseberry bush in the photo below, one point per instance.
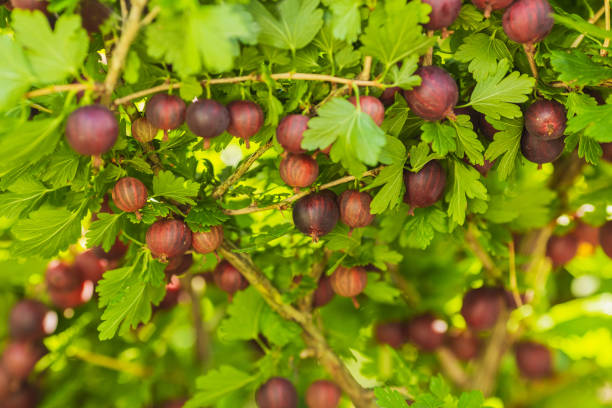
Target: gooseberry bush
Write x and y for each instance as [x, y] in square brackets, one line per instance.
[305, 203]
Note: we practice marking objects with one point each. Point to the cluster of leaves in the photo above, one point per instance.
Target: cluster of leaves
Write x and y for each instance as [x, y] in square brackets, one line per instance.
[48, 192]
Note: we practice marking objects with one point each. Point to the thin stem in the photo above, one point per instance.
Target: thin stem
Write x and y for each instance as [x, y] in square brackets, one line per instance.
[428, 58]
[134, 240]
[530, 52]
[512, 268]
[367, 68]
[198, 321]
[284, 203]
[110, 362]
[148, 19]
[606, 43]
[452, 367]
[592, 20]
[480, 252]
[62, 88]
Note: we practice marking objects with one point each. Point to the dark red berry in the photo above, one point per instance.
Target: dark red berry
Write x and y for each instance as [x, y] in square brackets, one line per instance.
[165, 111]
[168, 238]
[93, 15]
[25, 397]
[427, 332]
[540, 151]
[607, 151]
[130, 195]
[388, 96]
[20, 357]
[562, 249]
[61, 276]
[391, 333]
[533, 360]
[246, 118]
[90, 265]
[324, 293]
[355, 208]
[299, 170]
[443, 13]
[323, 394]
[208, 241]
[179, 264]
[435, 98]
[464, 344]
[5, 384]
[30, 320]
[228, 278]
[482, 307]
[486, 128]
[372, 106]
[92, 130]
[546, 119]
[30, 4]
[277, 392]
[605, 238]
[116, 252]
[349, 282]
[316, 214]
[490, 5]
[173, 290]
[143, 130]
[528, 21]
[425, 187]
[208, 119]
[71, 298]
[290, 132]
[177, 403]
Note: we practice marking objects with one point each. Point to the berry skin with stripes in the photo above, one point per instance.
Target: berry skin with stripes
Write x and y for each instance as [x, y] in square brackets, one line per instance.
[229, 279]
[528, 21]
[130, 195]
[372, 106]
[92, 130]
[208, 119]
[277, 392]
[143, 130]
[323, 394]
[355, 208]
[316, 214]
[490, 5]
[206, 242]
[299, 170]
[425, 187]
[290, 132]
[246, 118]
[165, 111]
[435, 98]
[168, 238]
[349, 282]
[443, 13]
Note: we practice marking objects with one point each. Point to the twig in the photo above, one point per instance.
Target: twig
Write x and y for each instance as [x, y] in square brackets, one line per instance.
[311, 334]
[428, 57]
[284, 203]
[61, 88]
[452, 368]
[592, 20]
[367, 68]
[129, 32]
[530, 52]
[257, 78]
[243, 168]
[148, 19]
[606, 43]
[480, 253]
[198, 321]
[110, 362]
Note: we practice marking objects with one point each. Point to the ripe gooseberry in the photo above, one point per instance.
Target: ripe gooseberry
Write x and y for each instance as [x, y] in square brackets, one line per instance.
[349, 282]
[388, 96]
[427, 332]
[168, 238]
[165, 112]
[607, 151]
[229, 279]
[116, 252]
[290, 132]
[30, 4]
[92, 130]
[179, 265]
[355, 208]
[25, 397]
[298, 170]
[323, 394]
[540, 151]
[489, 5]
[208, 119]
[277, 392]
[605, 238]
[534, 360]
[20, 357]
[435, 98]
[546, 119]
[443, 13]
[93, 15]
[61, 276]
[464, 344]
[316, 214]
[246, 118]
[562, 249]
[173, 289]
[391, 333]
[482, 307]
[372, 106]
[130, 195]
[425, 187]
[528, 21]
[206, 242]
[324, 293]
[31, 320]
[143, 130]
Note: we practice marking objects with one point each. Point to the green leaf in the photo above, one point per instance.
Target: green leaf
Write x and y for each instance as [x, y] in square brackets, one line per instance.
[62, 168]
[394, 32]
[482, 52]
[190, 88]
[346, 18]
[139, 164]
[391, 178]
[403, 77]
[380, 291]
[23, 195]
[295, 27]
[388, 398]
[577, 23]
[216, 384]
[47, 232]
[439, 387]
[277, 330]
[507, 142]
[15, 73]
[244, 314]
[589, 149]
[496, 95]
[595, 121]
[53, 55]
[471, 399]
[355, 136]
[578, 69]
[526, 206]
[175, 188]
[441, 137]
[420, 228]
[205, 215]
[427, 401]
[208, 37]
[104, 230]
[467, 139]
[420, 156]
[466, 184]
